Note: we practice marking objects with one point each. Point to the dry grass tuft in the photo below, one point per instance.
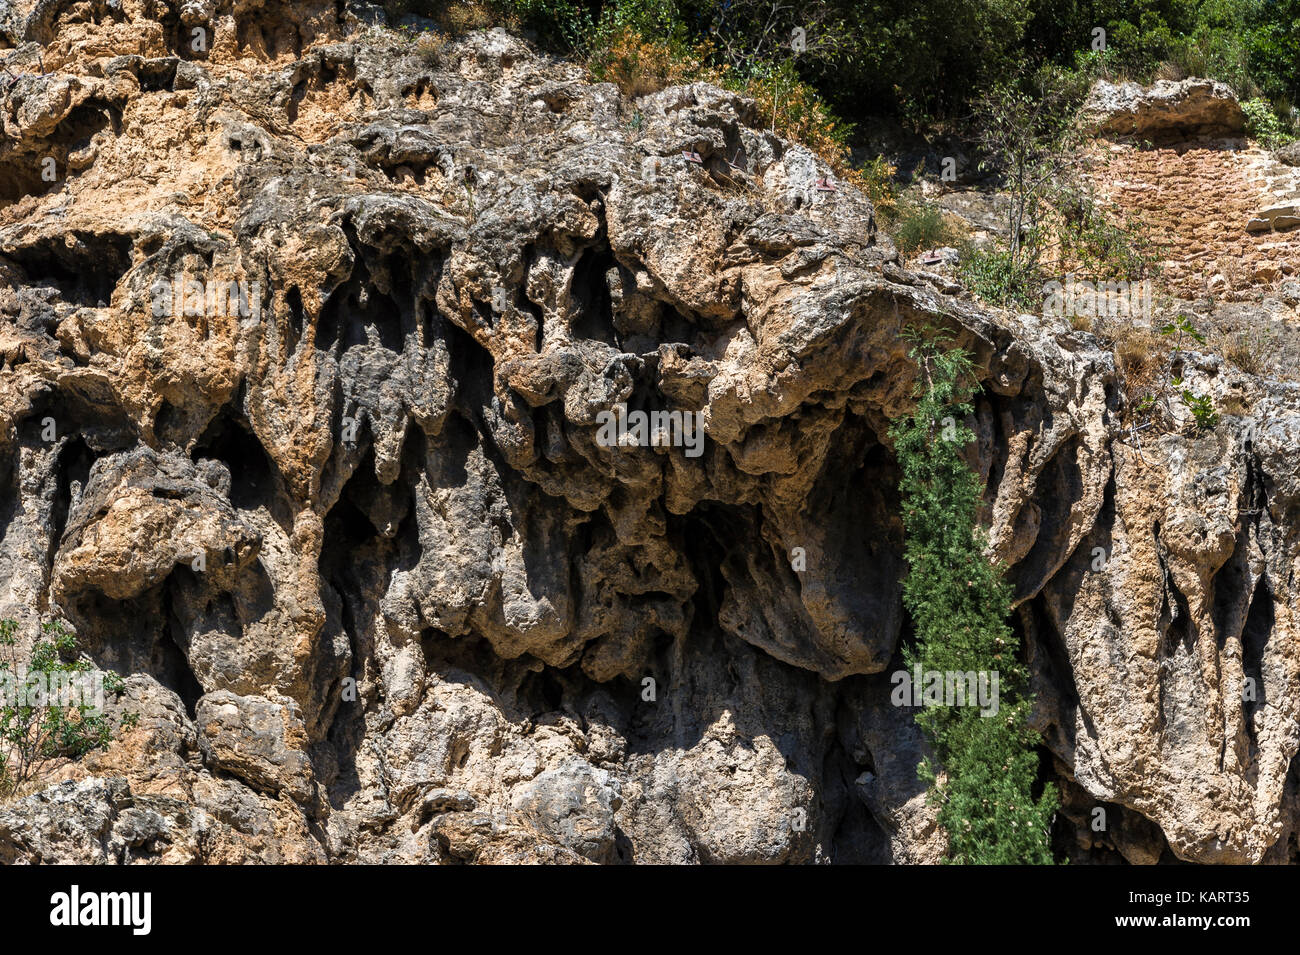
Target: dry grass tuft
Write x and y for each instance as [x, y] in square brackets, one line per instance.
[1140, 355]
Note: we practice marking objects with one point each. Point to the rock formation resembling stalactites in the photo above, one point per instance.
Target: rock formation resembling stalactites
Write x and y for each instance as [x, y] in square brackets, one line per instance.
[324, 322]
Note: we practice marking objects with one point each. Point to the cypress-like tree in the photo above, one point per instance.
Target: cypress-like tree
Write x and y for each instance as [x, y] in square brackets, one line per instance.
[986, 765]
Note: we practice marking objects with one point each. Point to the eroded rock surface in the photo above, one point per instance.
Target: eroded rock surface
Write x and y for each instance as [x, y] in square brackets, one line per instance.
[303, 353]
[1166, 109]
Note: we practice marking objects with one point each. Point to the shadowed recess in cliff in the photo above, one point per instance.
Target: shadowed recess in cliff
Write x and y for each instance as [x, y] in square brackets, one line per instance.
[1059, 491]
[365, 311]
[253, 481]
[472, 368]
[1181, 692]
[593, 317]
[85, 267]
[47, 171]
[174, 670]
[1255, 636]
[74, 463]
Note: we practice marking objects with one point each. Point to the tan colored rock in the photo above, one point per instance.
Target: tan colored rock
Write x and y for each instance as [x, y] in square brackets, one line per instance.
[1184, 109]
[259, 740]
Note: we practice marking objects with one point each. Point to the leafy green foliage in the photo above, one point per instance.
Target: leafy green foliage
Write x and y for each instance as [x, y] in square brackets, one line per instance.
[995, 276]
[985, 775]
[1181, 328]
[1099, 247]
[1158, 405]
[1263, 124]
[919, 60]
[35, 727]
[1272, 40]
[1201, 407]
[919, 225]
[1028, 133]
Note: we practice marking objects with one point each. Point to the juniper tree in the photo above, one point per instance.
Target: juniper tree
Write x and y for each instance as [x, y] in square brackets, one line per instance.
[985, 767]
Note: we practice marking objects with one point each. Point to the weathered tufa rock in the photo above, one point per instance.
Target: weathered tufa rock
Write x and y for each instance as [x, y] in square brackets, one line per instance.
[575, 804]
[435, 619]
[259, 740]
[1166, 110]
[1289, 154]
[96, 821]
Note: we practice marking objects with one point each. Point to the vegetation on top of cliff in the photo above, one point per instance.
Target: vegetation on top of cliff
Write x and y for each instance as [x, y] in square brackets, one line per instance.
[644, 46]
[1011, 73]
[924, 62]
[1054, 222]
[985, 776]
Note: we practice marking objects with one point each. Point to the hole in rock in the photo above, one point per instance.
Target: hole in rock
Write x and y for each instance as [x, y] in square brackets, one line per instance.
[86, 271]
[593, 316]
[252, 479]
[1254, 642]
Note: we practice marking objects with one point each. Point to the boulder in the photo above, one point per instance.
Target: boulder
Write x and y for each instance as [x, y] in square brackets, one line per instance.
[1166, 110]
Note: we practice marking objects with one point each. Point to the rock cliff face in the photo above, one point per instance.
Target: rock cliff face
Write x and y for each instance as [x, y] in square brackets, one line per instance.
[304, 350]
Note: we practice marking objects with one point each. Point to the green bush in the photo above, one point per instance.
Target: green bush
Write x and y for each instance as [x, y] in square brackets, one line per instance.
[986, 770]
[1272, 40]
[996, 277]
[921, 61]
[1263, 124]
[920, 225]
[33, 729]
[562, 24]
[1201, 407]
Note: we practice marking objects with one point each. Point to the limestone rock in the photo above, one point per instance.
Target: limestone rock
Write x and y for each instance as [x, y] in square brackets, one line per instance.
[258, 740]
[1274, 217]
[1184, 109]
[1289, 154]
[575, 804]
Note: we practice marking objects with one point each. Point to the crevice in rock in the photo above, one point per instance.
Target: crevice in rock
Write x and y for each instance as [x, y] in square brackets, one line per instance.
[20, 176]
[1059, 488]
[169, 424]
[1175, 617]
[252, 477]
[1033, 625]
[853, 835]
[295, 320]
[27, 173]
[374, 306]
[1254, 643]
[74, 463]
[593, 315]
[472, 367]
[171, 668]
[85, 267]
